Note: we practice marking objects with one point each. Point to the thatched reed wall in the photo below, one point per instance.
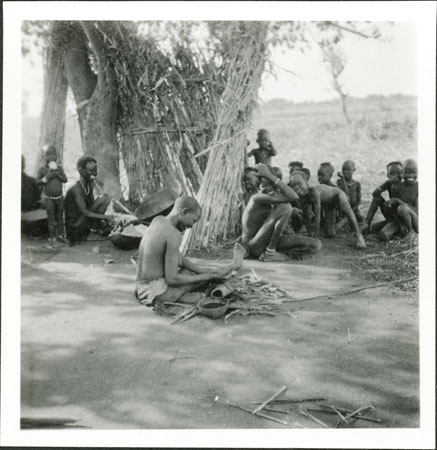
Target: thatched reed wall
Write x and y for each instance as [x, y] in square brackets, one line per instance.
[220, 193]
[167, 114]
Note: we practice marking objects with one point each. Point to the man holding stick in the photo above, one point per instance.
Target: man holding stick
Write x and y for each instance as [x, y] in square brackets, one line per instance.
[265, 218]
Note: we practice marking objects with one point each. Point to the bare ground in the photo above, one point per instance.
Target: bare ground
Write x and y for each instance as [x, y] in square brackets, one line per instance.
[92, 354]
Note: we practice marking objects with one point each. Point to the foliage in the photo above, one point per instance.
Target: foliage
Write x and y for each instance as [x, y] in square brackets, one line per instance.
[35, 35]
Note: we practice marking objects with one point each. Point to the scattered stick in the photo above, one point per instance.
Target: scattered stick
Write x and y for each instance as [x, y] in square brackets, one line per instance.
[339, 414]
[174, 304]
[314, 419]
[270, 399]
[300, 400]
[358, 416]
[265, 416]
[405, 252]
[258, 312]
[357, 411]
[233, 313]
[348, 336]
[276, 411]
[402, 280]
[183, 314]
[373, 255]
[257, 278]
[189, 316]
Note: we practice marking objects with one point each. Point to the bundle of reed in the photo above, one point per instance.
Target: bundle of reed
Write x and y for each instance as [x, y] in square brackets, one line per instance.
[220, 193]
[166, 112]
[52, 124]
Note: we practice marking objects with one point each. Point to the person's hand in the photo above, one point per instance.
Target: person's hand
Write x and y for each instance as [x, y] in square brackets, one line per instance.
[218, 274]
[110, 219]
[44, 179]
[390, 202]
[263, 171]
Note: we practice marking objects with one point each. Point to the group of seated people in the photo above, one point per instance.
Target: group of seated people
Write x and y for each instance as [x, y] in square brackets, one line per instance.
[331, 206]
[82, 211]
[274, 214]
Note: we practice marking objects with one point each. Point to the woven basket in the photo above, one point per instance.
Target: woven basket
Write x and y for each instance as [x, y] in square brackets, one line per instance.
[213, 308]
[124, 242]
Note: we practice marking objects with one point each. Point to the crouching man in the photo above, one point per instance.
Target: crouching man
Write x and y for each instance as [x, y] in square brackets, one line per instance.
[265, 218]
[164, 275]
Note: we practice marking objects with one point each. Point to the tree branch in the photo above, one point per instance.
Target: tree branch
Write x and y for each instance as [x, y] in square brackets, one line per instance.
[349, 30]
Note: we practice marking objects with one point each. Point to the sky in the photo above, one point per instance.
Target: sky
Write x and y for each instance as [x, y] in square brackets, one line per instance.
[372, 67]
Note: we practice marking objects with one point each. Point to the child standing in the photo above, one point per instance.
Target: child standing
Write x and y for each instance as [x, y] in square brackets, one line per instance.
[351, 188]
[263, 154]
[51, 175]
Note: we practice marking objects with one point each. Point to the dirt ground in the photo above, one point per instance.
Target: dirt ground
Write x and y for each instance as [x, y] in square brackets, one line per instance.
[92, 354]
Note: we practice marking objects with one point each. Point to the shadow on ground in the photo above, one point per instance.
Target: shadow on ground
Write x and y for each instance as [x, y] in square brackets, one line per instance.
[90, 352]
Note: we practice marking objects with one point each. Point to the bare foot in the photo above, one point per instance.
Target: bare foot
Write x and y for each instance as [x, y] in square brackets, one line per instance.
[192, 297]
[272, 257]
[411, 237]
[360, 241]
[239, 254]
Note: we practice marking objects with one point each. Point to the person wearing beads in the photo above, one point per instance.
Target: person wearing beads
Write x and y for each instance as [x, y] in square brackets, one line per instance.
[265, 218]
[81, 209]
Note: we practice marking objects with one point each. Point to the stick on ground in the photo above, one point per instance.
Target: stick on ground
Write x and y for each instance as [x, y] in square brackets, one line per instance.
[358, 417]
[260, 407]
[265, 416]
[352, 291]
[339, 413]
[300, 400]
[357, 411]
[314, 419]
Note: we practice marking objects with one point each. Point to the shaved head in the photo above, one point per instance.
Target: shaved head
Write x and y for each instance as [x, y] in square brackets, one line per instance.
[190, 204]
[349, 163]
[298, 174]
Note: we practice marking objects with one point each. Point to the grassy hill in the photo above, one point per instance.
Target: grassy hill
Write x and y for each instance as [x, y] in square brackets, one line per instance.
[384, 129]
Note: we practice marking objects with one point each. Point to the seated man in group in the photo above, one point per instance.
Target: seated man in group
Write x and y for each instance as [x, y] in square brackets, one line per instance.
[33, 217]
[164, 275]
[394, 176]
[324, 174]
[250, 184]
[405, 203]
[30, 191]
[328, 199]
[265, 218]
[82, 211]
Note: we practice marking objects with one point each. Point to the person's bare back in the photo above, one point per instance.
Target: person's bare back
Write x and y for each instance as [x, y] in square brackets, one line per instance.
[163, 273]
[151, 255]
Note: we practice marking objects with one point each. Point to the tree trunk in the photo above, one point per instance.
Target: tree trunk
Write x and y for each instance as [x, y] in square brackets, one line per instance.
[95, 97]
[52, 125]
